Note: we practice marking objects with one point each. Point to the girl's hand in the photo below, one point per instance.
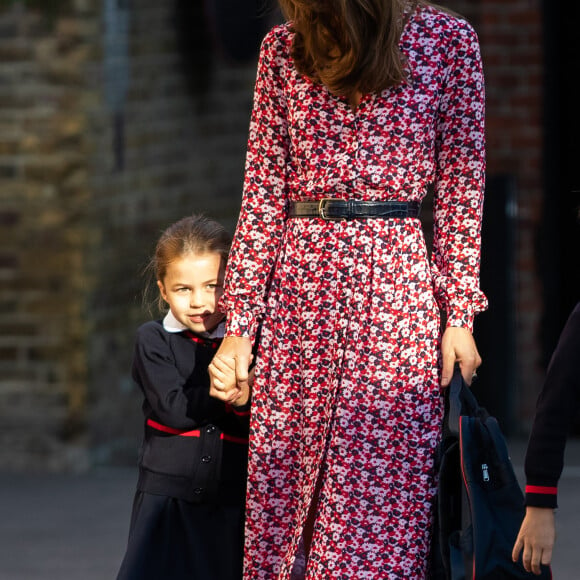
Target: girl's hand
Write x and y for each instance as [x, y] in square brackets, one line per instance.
[224, 385]
[244, 396]
[536, 538]
[233, 356]
[458, 346]
[222, 371]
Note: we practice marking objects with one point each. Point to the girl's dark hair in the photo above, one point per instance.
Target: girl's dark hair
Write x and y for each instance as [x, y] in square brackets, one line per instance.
[194, 234]
[349, 45]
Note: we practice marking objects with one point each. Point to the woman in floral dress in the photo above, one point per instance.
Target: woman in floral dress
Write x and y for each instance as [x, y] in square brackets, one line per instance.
[365, 101]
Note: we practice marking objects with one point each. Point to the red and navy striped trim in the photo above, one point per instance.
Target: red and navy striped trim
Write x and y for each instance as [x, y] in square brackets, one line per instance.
[171, 430]
[240, 413]
[209, 342]
[193, 433]
[542, 489]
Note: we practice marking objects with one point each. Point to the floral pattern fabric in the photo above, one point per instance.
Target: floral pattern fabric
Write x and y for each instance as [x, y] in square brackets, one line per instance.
[346, 399]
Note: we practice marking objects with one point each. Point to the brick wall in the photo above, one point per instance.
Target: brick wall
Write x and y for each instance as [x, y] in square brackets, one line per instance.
[44, 195]
[106, 136]
[511, 45]
[511, 41]
[105, 139]
[171, 148]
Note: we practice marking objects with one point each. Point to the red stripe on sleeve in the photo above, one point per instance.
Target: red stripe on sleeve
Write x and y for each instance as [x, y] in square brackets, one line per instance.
[541, 489]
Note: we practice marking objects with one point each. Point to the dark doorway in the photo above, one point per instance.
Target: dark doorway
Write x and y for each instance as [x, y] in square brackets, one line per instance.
[494, 330]
[558, 243]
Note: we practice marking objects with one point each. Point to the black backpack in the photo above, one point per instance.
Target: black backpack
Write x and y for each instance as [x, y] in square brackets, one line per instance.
[480, 504]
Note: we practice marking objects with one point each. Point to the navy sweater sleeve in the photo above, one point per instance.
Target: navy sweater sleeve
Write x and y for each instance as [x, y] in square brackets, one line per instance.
[173, 377]
[556, 408]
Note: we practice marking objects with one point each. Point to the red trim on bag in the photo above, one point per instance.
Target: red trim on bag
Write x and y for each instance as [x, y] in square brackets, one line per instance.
[171, 430]
[464, 477]
[541, 489]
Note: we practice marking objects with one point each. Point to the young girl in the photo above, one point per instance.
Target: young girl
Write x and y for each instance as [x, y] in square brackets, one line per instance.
[557, 406]
[187, 519]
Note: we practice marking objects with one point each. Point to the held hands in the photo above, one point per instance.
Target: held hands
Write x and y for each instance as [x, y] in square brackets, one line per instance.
[230, 379]
[536, 539]
[458, 346]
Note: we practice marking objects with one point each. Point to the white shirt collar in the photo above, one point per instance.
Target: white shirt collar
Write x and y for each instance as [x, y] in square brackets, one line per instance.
[171, 324]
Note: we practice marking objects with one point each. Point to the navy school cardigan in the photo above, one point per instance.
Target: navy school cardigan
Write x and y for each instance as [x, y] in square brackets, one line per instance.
[194, 447]
[556, 408]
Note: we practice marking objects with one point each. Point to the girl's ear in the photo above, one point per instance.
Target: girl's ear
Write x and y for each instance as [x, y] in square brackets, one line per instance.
[162, 290]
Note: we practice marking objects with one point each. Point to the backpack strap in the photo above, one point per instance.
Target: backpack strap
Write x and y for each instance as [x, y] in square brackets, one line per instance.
[460, 401]
[454, 402]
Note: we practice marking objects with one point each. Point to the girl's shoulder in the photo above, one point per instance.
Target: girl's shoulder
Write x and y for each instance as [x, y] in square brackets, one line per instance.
[572, 326]
[153, 333]
[151, 327]
[575, 314]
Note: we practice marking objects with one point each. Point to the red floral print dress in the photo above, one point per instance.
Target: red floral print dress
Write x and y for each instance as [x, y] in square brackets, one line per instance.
[347, 382]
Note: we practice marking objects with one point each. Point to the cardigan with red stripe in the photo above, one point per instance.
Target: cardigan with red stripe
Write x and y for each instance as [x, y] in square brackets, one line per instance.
[194, 446]
[556, 409]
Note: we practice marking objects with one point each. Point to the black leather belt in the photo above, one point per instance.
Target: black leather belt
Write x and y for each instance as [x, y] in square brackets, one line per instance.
[344, 209]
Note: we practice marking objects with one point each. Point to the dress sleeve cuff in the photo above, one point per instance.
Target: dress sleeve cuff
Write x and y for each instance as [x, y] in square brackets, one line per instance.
[240, 324]
[459, 302]
[462, 306]
[542, 496]
[461, 316]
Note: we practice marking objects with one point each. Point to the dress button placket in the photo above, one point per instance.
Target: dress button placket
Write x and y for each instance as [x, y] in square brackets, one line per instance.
[351, 146]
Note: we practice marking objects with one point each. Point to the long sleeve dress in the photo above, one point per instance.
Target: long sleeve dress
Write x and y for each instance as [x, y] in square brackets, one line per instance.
[557, 406]
[346, 396]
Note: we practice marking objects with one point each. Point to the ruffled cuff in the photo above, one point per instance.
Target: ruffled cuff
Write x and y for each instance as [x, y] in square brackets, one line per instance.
[460, 303]
[462, 313]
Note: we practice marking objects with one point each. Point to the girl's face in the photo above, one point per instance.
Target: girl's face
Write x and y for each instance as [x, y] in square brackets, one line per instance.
[192, 286]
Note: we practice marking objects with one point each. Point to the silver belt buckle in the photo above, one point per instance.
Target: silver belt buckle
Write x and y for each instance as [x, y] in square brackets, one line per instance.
[322, 211]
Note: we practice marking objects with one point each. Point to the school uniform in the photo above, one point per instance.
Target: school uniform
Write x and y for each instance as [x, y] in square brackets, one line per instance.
[188, 512]
[557, 405]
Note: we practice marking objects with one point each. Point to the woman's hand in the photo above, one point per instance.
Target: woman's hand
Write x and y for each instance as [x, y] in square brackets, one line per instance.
[458, 346]
[536, 539]
[228, 371]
